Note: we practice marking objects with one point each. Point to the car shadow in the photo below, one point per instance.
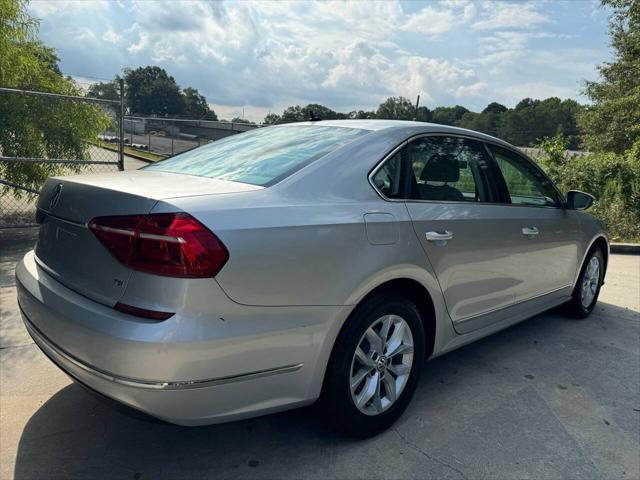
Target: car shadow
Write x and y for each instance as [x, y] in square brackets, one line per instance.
[73, 435]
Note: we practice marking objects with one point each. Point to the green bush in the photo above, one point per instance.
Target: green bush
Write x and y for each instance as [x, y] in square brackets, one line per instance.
[614, 179]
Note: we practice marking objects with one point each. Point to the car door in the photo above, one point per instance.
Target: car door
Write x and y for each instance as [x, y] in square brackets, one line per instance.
[546, 233]
[453, 207]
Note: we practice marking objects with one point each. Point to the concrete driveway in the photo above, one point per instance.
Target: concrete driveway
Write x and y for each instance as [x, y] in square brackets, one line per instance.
[549, 398]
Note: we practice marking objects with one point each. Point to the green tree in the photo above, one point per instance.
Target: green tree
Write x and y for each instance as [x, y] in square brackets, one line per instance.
[196, 106]
[241, 120]
[448, 115]
[272, 119]
[105, 90]
[396, 108]
[293, 114]
[38, 126]
[494, 107]
[532, 120]
[297, 113]
[152, 91]
[612, 122]
[524, 103]
[321, 112]
[424, 115]
[361, 115]
[614, 179]
[485, 122]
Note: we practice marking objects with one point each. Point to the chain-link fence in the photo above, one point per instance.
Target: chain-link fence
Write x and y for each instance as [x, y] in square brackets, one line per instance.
[43, 135]
[154, 138]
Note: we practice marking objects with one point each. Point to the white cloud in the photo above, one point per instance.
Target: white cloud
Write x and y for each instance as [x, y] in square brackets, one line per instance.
[431, 21]
[110, 36]
[266, 55]
[579, 62]
[501, 15]
[45, 8]
[512, 94]
[476, 89]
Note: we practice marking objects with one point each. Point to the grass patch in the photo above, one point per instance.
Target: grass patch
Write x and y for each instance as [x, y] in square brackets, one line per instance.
[130, 151]
[141, 153]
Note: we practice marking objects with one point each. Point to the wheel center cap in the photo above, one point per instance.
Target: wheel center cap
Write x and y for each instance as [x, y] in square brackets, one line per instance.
[381, 363]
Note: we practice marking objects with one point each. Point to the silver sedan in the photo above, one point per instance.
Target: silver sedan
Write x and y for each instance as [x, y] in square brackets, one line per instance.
[322, 260]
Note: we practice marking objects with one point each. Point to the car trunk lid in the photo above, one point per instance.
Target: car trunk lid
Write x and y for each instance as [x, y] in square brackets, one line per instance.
[70, 251]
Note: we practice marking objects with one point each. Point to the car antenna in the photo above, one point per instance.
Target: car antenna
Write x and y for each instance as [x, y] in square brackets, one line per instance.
[312, 116]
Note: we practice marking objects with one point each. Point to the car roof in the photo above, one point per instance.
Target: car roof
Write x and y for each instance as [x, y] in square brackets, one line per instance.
[389, 125]
[372, 125]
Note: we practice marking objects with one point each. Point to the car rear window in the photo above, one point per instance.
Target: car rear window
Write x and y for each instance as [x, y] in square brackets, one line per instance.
[262, 156]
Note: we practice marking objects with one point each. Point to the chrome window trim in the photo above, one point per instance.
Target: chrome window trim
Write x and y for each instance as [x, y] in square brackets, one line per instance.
[448, 202]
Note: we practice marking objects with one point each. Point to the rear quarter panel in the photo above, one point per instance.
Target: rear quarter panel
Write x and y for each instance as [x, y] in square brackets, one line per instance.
[590, 230]
[313, 254]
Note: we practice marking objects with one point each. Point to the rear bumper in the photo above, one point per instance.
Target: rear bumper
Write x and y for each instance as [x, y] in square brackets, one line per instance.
[182, 372]
[63, 359]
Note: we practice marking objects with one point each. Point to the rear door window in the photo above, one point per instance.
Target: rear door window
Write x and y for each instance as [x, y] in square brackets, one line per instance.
[526, 184]
[262, 156]
[448, 169]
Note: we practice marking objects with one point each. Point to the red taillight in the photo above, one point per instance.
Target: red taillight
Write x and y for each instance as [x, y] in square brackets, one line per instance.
[169, 244]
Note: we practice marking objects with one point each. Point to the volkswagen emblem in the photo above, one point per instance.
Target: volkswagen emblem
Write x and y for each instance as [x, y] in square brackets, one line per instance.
[55, 198]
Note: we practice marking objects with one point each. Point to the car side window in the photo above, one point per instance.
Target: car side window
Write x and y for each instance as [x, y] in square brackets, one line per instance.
[389, 178]
[526, 185]
[449, 169]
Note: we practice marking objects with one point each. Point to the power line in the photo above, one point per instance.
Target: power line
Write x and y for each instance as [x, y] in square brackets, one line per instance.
[89, 77]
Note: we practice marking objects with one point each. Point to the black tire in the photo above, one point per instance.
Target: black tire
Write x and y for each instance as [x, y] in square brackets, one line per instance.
[339, 407]
[575, 307]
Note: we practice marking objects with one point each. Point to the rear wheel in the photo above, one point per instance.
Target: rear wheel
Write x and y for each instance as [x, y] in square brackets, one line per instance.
[375, 366]
[587, 289]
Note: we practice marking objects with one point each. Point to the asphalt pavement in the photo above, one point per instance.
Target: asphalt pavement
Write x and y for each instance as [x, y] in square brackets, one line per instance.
[551, 397]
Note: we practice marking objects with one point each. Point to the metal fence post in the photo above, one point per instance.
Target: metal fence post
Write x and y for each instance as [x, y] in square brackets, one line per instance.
[121, 149]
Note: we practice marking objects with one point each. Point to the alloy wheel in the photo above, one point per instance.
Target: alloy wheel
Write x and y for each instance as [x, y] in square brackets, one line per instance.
[590, 281]
[381, 364]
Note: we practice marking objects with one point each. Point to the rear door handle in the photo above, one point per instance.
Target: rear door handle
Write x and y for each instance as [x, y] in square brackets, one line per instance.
[530, 231]
[439, 236]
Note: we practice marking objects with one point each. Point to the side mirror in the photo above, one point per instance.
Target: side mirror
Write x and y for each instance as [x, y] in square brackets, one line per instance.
[577, 200]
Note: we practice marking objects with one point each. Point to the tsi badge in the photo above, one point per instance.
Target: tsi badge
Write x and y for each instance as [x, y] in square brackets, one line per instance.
[55, 198]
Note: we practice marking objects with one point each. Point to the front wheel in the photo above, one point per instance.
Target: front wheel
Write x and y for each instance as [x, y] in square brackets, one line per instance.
[585, 294]
[375, 366]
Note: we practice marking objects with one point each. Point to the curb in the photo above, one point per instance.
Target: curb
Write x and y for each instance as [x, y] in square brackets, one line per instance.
[625, 248]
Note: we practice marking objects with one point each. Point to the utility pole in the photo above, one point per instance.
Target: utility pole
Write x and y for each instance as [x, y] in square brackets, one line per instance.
[415, 117]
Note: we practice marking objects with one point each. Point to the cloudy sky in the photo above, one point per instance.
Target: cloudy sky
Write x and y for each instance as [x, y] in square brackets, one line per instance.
[265, 56]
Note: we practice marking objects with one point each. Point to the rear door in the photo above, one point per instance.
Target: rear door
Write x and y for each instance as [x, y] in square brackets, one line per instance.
[451, 202]
[546, 233]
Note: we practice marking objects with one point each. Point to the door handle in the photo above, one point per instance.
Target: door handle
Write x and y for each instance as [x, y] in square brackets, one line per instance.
[439, 236]
[530, 231]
